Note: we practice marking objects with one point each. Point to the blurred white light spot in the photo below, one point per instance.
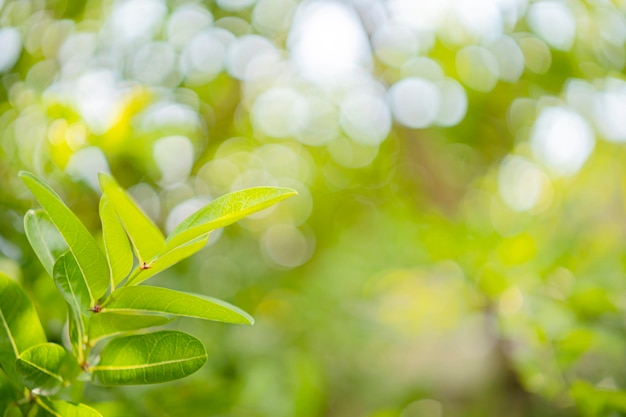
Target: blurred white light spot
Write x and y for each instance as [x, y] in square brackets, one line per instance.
[453, 103]
[510, 58]
[319, 124]
[76, 51]
[276, 112]
[182, 211]
[85, 164]
[174, 157]
[554, 22]
[395, 44]
[365, 118]
[511, 301]
[243, 52]
[520, 183]
[285, 245]
[480, 17]
[328, 42]
[477, 68]
[97, 99]
[415, 102]
[153, 62]
[135, 20]
[10, 49]
[562, 139]
[203, 58]
[147, 199]
[420, 15]
[273, 17]
[234, 5]
[537, 56]
[423, 67]
[165, 114]
[186, 22]
[610, 113]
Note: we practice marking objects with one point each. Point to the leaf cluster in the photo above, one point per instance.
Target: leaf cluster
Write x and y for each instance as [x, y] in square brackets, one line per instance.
[106, 304]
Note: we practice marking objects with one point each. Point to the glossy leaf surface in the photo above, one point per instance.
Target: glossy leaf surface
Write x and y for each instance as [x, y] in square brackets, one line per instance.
[118, 251]
[105, 324]
[20, 327]
[225, 210]
[165, 301]
[91, 261]
[44, 238]
[145, 236]
[149, 358]
[44, 368]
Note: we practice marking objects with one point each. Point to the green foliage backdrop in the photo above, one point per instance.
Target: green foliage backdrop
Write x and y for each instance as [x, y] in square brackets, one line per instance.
[457, 244]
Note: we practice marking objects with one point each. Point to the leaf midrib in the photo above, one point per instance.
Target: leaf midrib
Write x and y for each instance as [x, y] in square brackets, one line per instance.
[143, 366]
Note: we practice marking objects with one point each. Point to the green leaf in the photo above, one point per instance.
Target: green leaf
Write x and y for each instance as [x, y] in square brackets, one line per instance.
[149, 358]
[105, 324]
[225, 210]
[76, 325]
[13, 411]
[118, 252]
[72, 284]
[145, 236]
[20, 327]
[167, 259]
[44, 238]
[45, 368]
[66, 409]
[144, 299]
[92, 263]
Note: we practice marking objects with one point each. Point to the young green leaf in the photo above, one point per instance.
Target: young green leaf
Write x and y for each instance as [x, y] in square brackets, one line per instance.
[106, 324]
[168, 259]
[72, 284]
[116, 243]
[66, 409]
[91, 262]
[144, 299]
[225, 210]
[44, 238]
[20, 327]
[45, 368]
[149, 358]
[145, 236]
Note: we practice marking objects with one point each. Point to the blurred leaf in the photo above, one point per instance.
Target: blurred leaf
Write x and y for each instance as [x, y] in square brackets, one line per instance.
[165, 301]
[13, 411]
[223, 211]
[44, 238]
[106, 324]
[145, 236]
[149, 358]
[20, 327]
[166, 260]
[66, 409]
[598, 402]
[118, 252]
[45, 368]
[76, 327]
[92, 264]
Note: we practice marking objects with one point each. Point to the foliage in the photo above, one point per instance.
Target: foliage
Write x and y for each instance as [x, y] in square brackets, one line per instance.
[104, 301]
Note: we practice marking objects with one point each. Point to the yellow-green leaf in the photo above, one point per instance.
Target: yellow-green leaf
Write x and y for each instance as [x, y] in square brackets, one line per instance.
[106, 324]
[44, 238]
[144, 299]
[117, 247]
[45, 368]
[91, 261]
[145, 236]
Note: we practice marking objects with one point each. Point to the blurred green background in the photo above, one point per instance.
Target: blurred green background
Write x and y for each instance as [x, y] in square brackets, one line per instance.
[458, 244]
